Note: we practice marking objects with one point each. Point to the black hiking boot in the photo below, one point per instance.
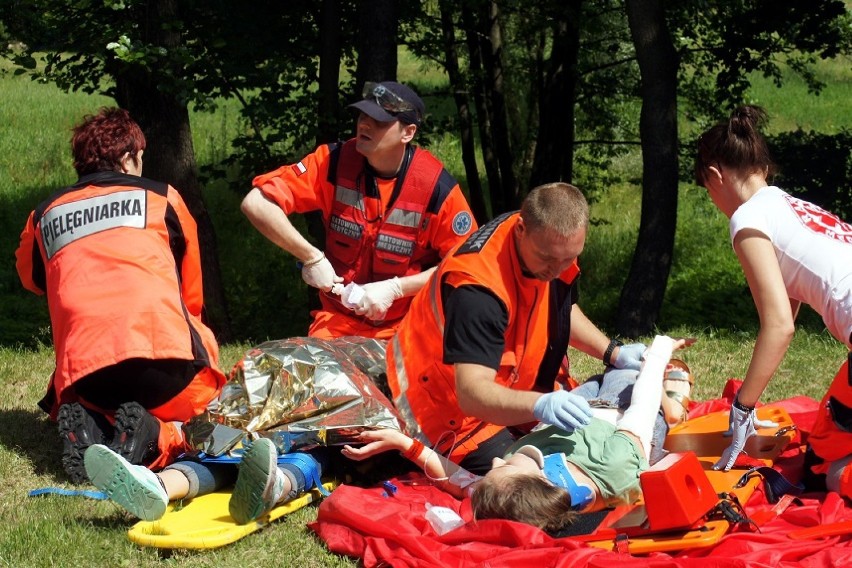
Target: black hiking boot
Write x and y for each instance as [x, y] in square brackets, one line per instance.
[136, 434]
[79, 428]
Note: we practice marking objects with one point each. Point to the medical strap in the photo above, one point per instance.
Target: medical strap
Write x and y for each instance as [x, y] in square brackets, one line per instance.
[98, 495]
[557, 472]
[305, 462]
[309, 468]
[730, 509]
[774, 483]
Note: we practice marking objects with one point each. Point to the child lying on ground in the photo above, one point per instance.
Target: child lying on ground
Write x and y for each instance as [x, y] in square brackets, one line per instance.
[263, 479]
[549, 475]
[620, 445]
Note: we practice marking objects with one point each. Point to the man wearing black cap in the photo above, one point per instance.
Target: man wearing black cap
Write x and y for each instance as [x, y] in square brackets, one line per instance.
[391, 212]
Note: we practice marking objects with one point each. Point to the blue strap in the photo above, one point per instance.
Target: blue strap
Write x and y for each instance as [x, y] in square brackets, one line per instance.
[556, 470]
[99, 495]
[305, 462]
[309, 468]
[234, 456]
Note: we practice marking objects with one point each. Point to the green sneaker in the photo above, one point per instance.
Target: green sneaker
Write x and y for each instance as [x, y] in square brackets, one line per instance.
[259, 484]
[134, 487]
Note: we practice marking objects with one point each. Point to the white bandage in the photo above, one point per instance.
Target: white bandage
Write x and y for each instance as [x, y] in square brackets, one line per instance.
[647, 394]
[463, 478]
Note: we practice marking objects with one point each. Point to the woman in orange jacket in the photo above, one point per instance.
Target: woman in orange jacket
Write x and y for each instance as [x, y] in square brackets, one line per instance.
[117, 256]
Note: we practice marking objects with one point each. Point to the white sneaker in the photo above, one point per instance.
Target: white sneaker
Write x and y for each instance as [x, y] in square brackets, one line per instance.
[259, 486]
[134, 487]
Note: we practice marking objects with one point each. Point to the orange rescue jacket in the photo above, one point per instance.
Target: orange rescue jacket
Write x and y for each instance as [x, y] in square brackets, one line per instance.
[831, 438]
[536, 338]
[118, 257]
[365, 250]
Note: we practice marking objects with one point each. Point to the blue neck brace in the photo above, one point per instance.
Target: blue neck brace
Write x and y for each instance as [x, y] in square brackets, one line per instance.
[556, 470]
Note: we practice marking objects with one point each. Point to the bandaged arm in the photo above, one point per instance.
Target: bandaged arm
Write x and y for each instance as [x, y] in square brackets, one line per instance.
[647, 395]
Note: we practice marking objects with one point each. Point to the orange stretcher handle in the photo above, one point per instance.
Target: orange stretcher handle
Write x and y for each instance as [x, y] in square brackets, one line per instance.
[831, 529]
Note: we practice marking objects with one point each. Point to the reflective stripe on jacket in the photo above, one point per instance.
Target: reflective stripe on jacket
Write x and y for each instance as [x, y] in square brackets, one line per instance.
[364, 250]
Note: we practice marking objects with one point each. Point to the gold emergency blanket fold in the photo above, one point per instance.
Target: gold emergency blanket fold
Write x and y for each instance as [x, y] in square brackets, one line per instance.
[300, 392]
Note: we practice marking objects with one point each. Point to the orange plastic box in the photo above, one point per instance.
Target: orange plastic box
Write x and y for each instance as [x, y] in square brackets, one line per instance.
[677, 492]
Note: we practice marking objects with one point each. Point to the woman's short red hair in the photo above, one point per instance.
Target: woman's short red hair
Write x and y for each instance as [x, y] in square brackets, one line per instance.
[101, 140]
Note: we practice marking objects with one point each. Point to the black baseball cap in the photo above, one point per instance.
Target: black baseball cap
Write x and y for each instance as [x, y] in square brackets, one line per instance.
[388, 101]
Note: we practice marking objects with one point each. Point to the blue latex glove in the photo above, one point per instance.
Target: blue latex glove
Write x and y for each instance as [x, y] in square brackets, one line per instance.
[563, 409]
[741, 425]
[629, 356]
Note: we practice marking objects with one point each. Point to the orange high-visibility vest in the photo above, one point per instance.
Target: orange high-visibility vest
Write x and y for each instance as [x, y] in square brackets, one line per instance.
[828, 439]
[536, 338]
[365, 250]
[312, 184]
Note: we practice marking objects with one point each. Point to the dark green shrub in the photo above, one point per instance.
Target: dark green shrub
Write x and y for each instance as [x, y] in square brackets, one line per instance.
[816, 167]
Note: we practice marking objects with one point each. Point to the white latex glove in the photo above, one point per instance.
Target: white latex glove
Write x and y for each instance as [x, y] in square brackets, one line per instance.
[741, 425]
[758, 423]
[320, 274]
[378, 298]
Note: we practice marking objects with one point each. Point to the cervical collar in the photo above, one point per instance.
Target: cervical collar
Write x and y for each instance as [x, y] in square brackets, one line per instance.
[556, 470]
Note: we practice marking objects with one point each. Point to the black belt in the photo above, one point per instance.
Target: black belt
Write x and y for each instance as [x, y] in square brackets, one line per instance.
[775, 485]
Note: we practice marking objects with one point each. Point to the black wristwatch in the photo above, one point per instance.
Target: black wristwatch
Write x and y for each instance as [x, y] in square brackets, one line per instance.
[740, 406]
[609, 349]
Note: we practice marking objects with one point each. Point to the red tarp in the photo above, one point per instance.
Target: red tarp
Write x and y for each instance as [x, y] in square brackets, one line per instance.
[385, 530]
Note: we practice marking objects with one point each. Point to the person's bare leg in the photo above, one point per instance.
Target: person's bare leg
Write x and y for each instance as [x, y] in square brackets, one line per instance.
[175, 482]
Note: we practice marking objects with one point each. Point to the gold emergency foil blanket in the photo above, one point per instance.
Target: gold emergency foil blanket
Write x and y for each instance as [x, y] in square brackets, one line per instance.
[299, 392]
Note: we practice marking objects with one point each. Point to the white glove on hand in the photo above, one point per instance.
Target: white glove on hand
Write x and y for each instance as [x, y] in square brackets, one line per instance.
[320, 274]
[629, 356]
[563, 409]
[378, 298]
[741, 425]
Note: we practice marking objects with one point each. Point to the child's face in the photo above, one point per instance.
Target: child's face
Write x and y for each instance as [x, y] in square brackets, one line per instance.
[517, 464]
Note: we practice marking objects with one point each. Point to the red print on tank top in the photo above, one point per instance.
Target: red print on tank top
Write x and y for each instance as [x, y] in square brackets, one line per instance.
[821, 221]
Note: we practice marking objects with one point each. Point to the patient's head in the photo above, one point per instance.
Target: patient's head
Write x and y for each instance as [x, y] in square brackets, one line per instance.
[516, 489]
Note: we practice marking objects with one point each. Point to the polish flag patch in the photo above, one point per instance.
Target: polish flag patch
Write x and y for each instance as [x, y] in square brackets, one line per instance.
[299, 168]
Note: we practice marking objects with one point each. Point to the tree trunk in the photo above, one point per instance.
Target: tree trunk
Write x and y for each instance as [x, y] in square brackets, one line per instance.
[328, 105]
[459, 88]
[554, 156]
[474, 46]
[169, 156]
[643, 292]
[328, 110]
[492, 59]
[378, 23]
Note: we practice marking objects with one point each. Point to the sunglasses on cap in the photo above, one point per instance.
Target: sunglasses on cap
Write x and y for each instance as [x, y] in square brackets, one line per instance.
[387, 100]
